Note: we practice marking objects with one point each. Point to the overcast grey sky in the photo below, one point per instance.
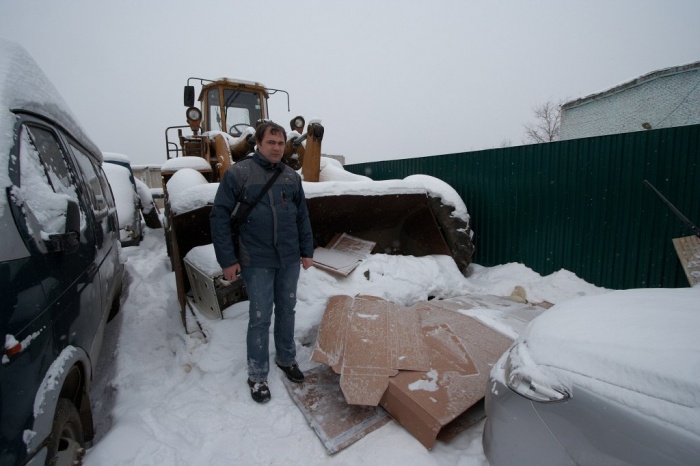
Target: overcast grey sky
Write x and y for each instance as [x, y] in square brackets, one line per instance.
[389, 79]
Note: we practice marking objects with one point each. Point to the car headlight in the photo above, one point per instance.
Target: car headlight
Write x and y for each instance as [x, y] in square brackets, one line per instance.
[533, 388]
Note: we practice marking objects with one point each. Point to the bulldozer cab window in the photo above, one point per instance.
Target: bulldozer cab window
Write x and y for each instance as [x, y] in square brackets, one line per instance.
[237, 119]
[239, 110]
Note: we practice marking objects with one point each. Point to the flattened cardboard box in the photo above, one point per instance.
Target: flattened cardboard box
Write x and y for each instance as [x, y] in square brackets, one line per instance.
[424, 364]
[343, 254]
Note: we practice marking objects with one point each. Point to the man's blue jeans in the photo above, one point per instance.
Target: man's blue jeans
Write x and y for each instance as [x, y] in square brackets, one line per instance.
[268, 287]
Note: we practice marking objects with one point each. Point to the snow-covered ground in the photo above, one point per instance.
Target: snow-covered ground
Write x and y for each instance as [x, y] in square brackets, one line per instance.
[162, 396]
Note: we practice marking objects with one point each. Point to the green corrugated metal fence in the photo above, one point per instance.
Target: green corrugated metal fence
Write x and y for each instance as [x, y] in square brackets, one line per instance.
[578, 205]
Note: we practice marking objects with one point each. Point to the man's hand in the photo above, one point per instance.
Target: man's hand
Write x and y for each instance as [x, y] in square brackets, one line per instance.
[307, 262]
[231, 272]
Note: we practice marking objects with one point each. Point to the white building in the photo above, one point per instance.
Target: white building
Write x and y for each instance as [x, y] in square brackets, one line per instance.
[661, 99]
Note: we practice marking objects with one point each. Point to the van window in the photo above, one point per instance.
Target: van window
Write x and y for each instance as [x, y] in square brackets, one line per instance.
[106, 188]
[54, 162]
[99, 203]
[46, 184]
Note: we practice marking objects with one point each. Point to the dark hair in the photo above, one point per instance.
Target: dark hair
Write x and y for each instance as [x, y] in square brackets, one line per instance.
[273, 127]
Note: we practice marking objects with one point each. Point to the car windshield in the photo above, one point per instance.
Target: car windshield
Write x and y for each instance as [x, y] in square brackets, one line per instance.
[239, 110]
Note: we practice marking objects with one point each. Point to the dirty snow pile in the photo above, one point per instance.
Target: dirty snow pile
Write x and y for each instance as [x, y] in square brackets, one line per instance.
[162, 396]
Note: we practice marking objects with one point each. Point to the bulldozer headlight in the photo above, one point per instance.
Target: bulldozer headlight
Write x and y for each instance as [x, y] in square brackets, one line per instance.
[297, 124]
[193, 114]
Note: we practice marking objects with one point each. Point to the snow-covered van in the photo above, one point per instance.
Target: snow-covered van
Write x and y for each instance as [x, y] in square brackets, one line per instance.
[60, 271]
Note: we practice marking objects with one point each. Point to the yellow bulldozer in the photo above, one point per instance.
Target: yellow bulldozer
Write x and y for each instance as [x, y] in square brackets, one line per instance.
[416, 216]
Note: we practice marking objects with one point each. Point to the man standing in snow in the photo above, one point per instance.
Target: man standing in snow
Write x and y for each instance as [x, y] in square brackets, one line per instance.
[272, 240]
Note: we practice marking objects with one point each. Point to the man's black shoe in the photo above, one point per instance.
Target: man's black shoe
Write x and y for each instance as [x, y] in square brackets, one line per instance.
[259, 391]
[293, 373]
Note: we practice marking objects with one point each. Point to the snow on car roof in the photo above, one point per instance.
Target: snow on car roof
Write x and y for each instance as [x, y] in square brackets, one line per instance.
[23, 86]
[115, 157]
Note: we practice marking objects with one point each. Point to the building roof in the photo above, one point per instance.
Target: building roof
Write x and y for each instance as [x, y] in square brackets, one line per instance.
[635, 82]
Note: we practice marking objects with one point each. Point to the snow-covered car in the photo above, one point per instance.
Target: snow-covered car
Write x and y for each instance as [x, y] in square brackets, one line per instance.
[135, 203]
[128, 203]
[606, 379]
[149, 210]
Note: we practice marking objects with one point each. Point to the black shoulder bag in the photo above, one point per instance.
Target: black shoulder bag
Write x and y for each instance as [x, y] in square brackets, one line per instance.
[242, 209]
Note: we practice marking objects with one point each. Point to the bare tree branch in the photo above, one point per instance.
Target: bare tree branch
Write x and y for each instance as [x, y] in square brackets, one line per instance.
[546, 125]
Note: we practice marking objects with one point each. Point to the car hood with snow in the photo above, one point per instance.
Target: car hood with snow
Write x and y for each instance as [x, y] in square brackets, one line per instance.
[638, 347]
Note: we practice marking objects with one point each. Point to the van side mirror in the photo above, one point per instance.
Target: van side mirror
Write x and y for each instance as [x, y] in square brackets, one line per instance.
[189, 96]
[72, 217]
[68, 241]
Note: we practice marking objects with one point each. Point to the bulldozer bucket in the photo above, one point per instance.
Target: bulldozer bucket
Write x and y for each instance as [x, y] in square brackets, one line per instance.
[399, 223]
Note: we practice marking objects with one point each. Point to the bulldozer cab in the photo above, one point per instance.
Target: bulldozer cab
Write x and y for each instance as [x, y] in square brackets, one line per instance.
[231, 107]
[221, 125]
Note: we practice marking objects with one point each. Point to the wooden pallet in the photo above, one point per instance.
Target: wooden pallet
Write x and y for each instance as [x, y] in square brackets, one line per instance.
[336, 423]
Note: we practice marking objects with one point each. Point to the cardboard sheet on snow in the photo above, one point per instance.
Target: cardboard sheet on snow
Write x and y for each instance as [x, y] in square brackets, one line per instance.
[425, 365]
[504, 314]
[367, 340]
[343, 254]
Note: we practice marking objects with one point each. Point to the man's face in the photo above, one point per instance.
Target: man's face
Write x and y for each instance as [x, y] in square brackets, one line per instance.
[272, 146]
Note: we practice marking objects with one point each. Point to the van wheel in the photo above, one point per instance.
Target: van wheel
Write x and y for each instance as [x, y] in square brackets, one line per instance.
[66, 442]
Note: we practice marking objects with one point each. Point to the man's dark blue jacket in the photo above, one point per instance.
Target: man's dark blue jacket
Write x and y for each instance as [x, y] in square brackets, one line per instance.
[277, 231]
